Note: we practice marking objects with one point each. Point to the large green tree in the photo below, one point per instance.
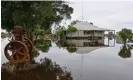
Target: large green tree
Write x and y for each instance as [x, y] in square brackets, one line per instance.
[126, 35]
[62, 31]
[30, 14]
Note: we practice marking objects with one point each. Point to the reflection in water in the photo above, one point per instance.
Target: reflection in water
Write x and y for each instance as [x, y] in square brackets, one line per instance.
[125, 51]
[35, 53]
[40, 45]
[43, 45]
[43, 70]
[82, 66]
[71, 48]
[79, 46]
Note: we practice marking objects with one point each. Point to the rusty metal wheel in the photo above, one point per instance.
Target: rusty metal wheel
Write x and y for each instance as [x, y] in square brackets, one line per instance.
[29, 44]
[16, 52]
[28, 58]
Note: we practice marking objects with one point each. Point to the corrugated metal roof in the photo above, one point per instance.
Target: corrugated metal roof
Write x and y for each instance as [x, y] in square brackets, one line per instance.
[87, 26]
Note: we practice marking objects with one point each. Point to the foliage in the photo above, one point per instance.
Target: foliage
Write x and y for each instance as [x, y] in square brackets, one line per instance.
[43, 45]
[31, 14]
[71, 29]
[4, 35]
[38, 31]
[62, 31]
[126, 34]
[125, 52]
[71, 49]
[35, 53]
[60, 43]
[43, 70]
[118, 38]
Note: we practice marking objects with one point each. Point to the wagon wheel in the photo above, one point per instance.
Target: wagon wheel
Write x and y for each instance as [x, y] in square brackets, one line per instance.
[29, 44]
[28, 58]
[16, 52]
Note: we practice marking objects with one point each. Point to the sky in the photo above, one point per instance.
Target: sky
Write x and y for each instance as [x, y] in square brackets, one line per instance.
[106, 14]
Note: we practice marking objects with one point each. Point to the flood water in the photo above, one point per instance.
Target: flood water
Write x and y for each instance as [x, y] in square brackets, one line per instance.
[78, 62]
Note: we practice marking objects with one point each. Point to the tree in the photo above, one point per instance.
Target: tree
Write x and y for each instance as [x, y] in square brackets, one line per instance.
[30, 14]
[126, 35]
[43, 45]
[38, 32]
[71, 49]
[125, 51]
[62, 31]
[4, 35]
[71, 28]
[45, 69]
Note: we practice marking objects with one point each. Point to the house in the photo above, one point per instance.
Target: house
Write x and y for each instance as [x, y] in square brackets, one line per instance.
[88, 31]
[80, 46]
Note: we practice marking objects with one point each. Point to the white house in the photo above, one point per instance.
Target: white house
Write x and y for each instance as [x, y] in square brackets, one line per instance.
[88, 31]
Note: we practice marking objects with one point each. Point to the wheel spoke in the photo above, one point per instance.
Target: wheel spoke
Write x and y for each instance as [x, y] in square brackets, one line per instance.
[20, 48]
[9, 48]
[14, 47]
[20, 53]
[12, 56]
[17, 56]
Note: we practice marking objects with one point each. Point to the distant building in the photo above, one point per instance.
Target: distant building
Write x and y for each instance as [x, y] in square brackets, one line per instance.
[88, 31]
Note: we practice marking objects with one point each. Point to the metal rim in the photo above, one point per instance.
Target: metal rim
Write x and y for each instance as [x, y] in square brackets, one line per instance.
[15, 50]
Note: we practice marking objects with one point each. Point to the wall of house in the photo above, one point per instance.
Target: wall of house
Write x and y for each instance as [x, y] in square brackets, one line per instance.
[81, 43]
[81, 33]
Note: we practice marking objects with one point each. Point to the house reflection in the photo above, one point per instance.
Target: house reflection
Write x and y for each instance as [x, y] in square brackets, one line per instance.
[43, 70]
[80, 46]
[125, 51]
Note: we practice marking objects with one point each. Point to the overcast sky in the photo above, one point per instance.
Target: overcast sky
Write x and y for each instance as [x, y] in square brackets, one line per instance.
[107, 14]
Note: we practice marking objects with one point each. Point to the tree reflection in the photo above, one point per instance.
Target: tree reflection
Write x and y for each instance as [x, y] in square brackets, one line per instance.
[35, 53]
[71, 48]
[43, 70]
[60, 43]
[125, 51]
[43, 45]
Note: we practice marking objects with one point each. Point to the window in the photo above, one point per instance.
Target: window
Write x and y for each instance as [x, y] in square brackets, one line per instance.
[87, 32]
[86, 43]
